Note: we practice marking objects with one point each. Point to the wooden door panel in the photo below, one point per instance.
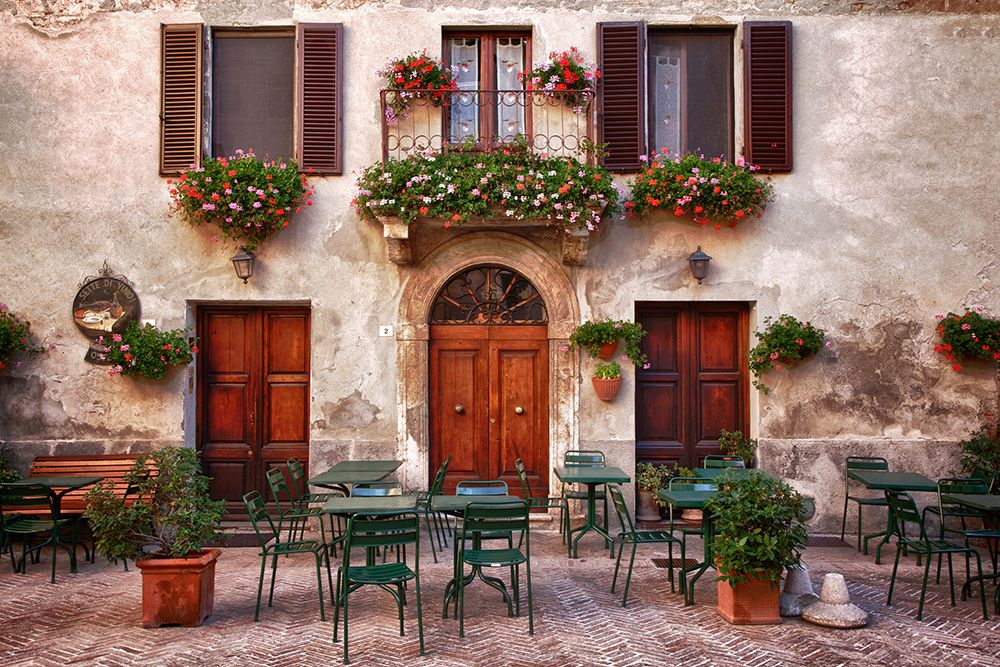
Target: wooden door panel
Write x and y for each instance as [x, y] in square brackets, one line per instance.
[659, 422]
[285, 423]
[662, 341]
[520, 380]
[225, 402]
[718, 342]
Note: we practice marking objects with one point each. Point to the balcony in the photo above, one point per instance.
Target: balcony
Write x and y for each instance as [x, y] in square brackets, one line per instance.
[553, 123]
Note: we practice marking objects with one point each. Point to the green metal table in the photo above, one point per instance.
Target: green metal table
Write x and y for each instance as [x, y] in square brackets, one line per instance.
[592, 476]
[58, 487]
[340, 476]
[885, 480]
[693, 499]
[987, 504]
[455, 505]
[351, 506]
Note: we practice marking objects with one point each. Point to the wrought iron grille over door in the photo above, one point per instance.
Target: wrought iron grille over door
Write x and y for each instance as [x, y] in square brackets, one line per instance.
[489, 295]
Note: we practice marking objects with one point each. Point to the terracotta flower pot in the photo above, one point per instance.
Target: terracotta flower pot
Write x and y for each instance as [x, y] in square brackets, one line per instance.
[178, 591]
[755, 602]
[607, 350]
[692, 515]
[648, 510]
[607, 389]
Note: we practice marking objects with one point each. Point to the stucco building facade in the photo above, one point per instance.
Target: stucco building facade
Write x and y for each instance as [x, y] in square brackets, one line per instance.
[888, 217]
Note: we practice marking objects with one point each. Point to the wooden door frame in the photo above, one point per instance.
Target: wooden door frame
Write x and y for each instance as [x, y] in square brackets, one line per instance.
[412, 340]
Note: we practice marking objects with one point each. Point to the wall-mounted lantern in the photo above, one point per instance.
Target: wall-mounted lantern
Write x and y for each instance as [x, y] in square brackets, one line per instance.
[243, 263]
[699, 264]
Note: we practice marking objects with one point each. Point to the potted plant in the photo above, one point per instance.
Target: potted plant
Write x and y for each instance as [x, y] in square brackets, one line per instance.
[734, 443]
[708, 189]
[412, 76]
[607, 380]
[250, 200]
[15, 336]
[148, 352]
[163, 524]
[969, 336]
[758, 533]
[785, 339]
[600, 339]
[689, 515]
[981, 453]
[564, 71]
[648, 479]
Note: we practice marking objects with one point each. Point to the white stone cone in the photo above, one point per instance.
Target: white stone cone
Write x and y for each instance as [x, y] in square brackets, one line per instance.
[798, 592]
[834, 608]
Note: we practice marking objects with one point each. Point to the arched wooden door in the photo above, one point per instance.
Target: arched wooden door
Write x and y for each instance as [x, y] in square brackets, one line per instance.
[489, 371]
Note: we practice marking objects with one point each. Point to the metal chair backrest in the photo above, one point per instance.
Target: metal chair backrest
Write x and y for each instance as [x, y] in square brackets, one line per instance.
[481, 487]
[382, 529]
[903, 510]
[522, 476]
[258, 513]
[972, 485]
[438, 484]
[377, 489]
[24, 496]
[496, 518]
[297, 471]
[628, 528]
[691, 484]
[593, 458]
[717, 461]
[866, 463]
[276, 482]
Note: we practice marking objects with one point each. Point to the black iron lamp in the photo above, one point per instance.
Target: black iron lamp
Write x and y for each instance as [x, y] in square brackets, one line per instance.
[699, 264]
[243, 263]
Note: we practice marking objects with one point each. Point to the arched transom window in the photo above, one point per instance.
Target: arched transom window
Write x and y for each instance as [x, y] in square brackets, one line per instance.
[488, 295]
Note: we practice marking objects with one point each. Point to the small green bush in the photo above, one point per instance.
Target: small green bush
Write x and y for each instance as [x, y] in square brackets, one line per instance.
[981, 453]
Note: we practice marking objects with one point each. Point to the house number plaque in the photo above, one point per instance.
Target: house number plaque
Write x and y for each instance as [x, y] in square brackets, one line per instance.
[104, 305]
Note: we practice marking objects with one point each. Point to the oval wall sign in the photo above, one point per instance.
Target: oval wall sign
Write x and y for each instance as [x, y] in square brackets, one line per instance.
[104, 304]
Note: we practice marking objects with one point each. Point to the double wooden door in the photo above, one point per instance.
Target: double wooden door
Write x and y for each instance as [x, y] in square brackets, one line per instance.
[253, 395]
[696, 385]
[489, 403]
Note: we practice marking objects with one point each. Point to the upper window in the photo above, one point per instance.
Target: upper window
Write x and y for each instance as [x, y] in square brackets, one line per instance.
[690, 92]
[253, 93]
[490, 108]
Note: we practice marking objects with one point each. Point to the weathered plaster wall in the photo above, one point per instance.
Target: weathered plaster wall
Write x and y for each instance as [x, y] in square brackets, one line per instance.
[888, 218]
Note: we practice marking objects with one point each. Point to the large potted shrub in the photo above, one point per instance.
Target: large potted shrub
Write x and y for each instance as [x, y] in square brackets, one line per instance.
[759, 532]
[163, 523]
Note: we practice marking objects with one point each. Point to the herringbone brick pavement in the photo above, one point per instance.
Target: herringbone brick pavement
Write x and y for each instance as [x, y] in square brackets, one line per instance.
[92, 618]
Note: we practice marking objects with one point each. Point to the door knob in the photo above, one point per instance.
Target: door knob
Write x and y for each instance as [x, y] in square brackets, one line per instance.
[519, 410]
[459, 408]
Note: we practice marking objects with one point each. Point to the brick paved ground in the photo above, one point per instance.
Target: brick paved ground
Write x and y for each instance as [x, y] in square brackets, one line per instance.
[92, 618]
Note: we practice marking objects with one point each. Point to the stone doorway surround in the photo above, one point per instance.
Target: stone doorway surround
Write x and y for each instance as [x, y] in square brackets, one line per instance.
[413, 334]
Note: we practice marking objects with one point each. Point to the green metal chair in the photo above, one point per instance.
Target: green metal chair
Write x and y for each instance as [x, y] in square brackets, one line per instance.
[295, 517]
[629, 535]
[22, 526]
[495, 518]
[691, 484]
[903, 510]
[861, 463]
[943, 510]
[720, 461]
[271, 547]
[396, 529]
[583, 457]
[431, 517]
[536, 502]
[302, 498]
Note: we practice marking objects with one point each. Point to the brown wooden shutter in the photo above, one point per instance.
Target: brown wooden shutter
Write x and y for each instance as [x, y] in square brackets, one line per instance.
[320, 106]
[621, 55]
[767, 81]
[180, 105]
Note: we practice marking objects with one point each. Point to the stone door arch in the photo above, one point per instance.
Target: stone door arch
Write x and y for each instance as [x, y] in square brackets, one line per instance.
[413, 334]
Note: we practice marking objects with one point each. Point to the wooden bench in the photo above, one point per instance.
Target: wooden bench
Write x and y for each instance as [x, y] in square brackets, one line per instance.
[112, 467]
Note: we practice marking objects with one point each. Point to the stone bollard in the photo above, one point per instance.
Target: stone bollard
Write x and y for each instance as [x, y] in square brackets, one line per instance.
[834, 608]
[798, 592]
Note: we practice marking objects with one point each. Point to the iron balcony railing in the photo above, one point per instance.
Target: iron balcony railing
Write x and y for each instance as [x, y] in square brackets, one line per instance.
[556, 123]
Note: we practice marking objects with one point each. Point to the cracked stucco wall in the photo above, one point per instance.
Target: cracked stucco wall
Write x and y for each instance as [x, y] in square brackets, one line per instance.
[889, 218]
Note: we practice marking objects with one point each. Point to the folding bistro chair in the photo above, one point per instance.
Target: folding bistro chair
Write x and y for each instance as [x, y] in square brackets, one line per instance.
[629, 535]
[537, 502]
[583, 457]
[861, 463]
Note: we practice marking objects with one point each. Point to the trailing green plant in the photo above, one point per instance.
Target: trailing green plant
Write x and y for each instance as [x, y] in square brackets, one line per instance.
[510, 183]
[609, 371]
[248, 199]
[592, 335]
[168, 514]
[734, 443]
[649, 477]
[708, 189]
[968, 336]
[147, 351]
[784, 339]
[981, 453]
[15, 336]
[759, 528]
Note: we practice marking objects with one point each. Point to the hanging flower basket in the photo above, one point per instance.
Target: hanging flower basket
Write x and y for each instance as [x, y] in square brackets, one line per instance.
[967, 337]
[564, 71]
[607, 380]
[785, 339]
[15, 336]
[404, 77]
[148, 352]
[600, 339]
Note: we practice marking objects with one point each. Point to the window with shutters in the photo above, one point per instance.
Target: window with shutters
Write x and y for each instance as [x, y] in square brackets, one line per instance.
[486, 65]
[276, 91]
[690, 92]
